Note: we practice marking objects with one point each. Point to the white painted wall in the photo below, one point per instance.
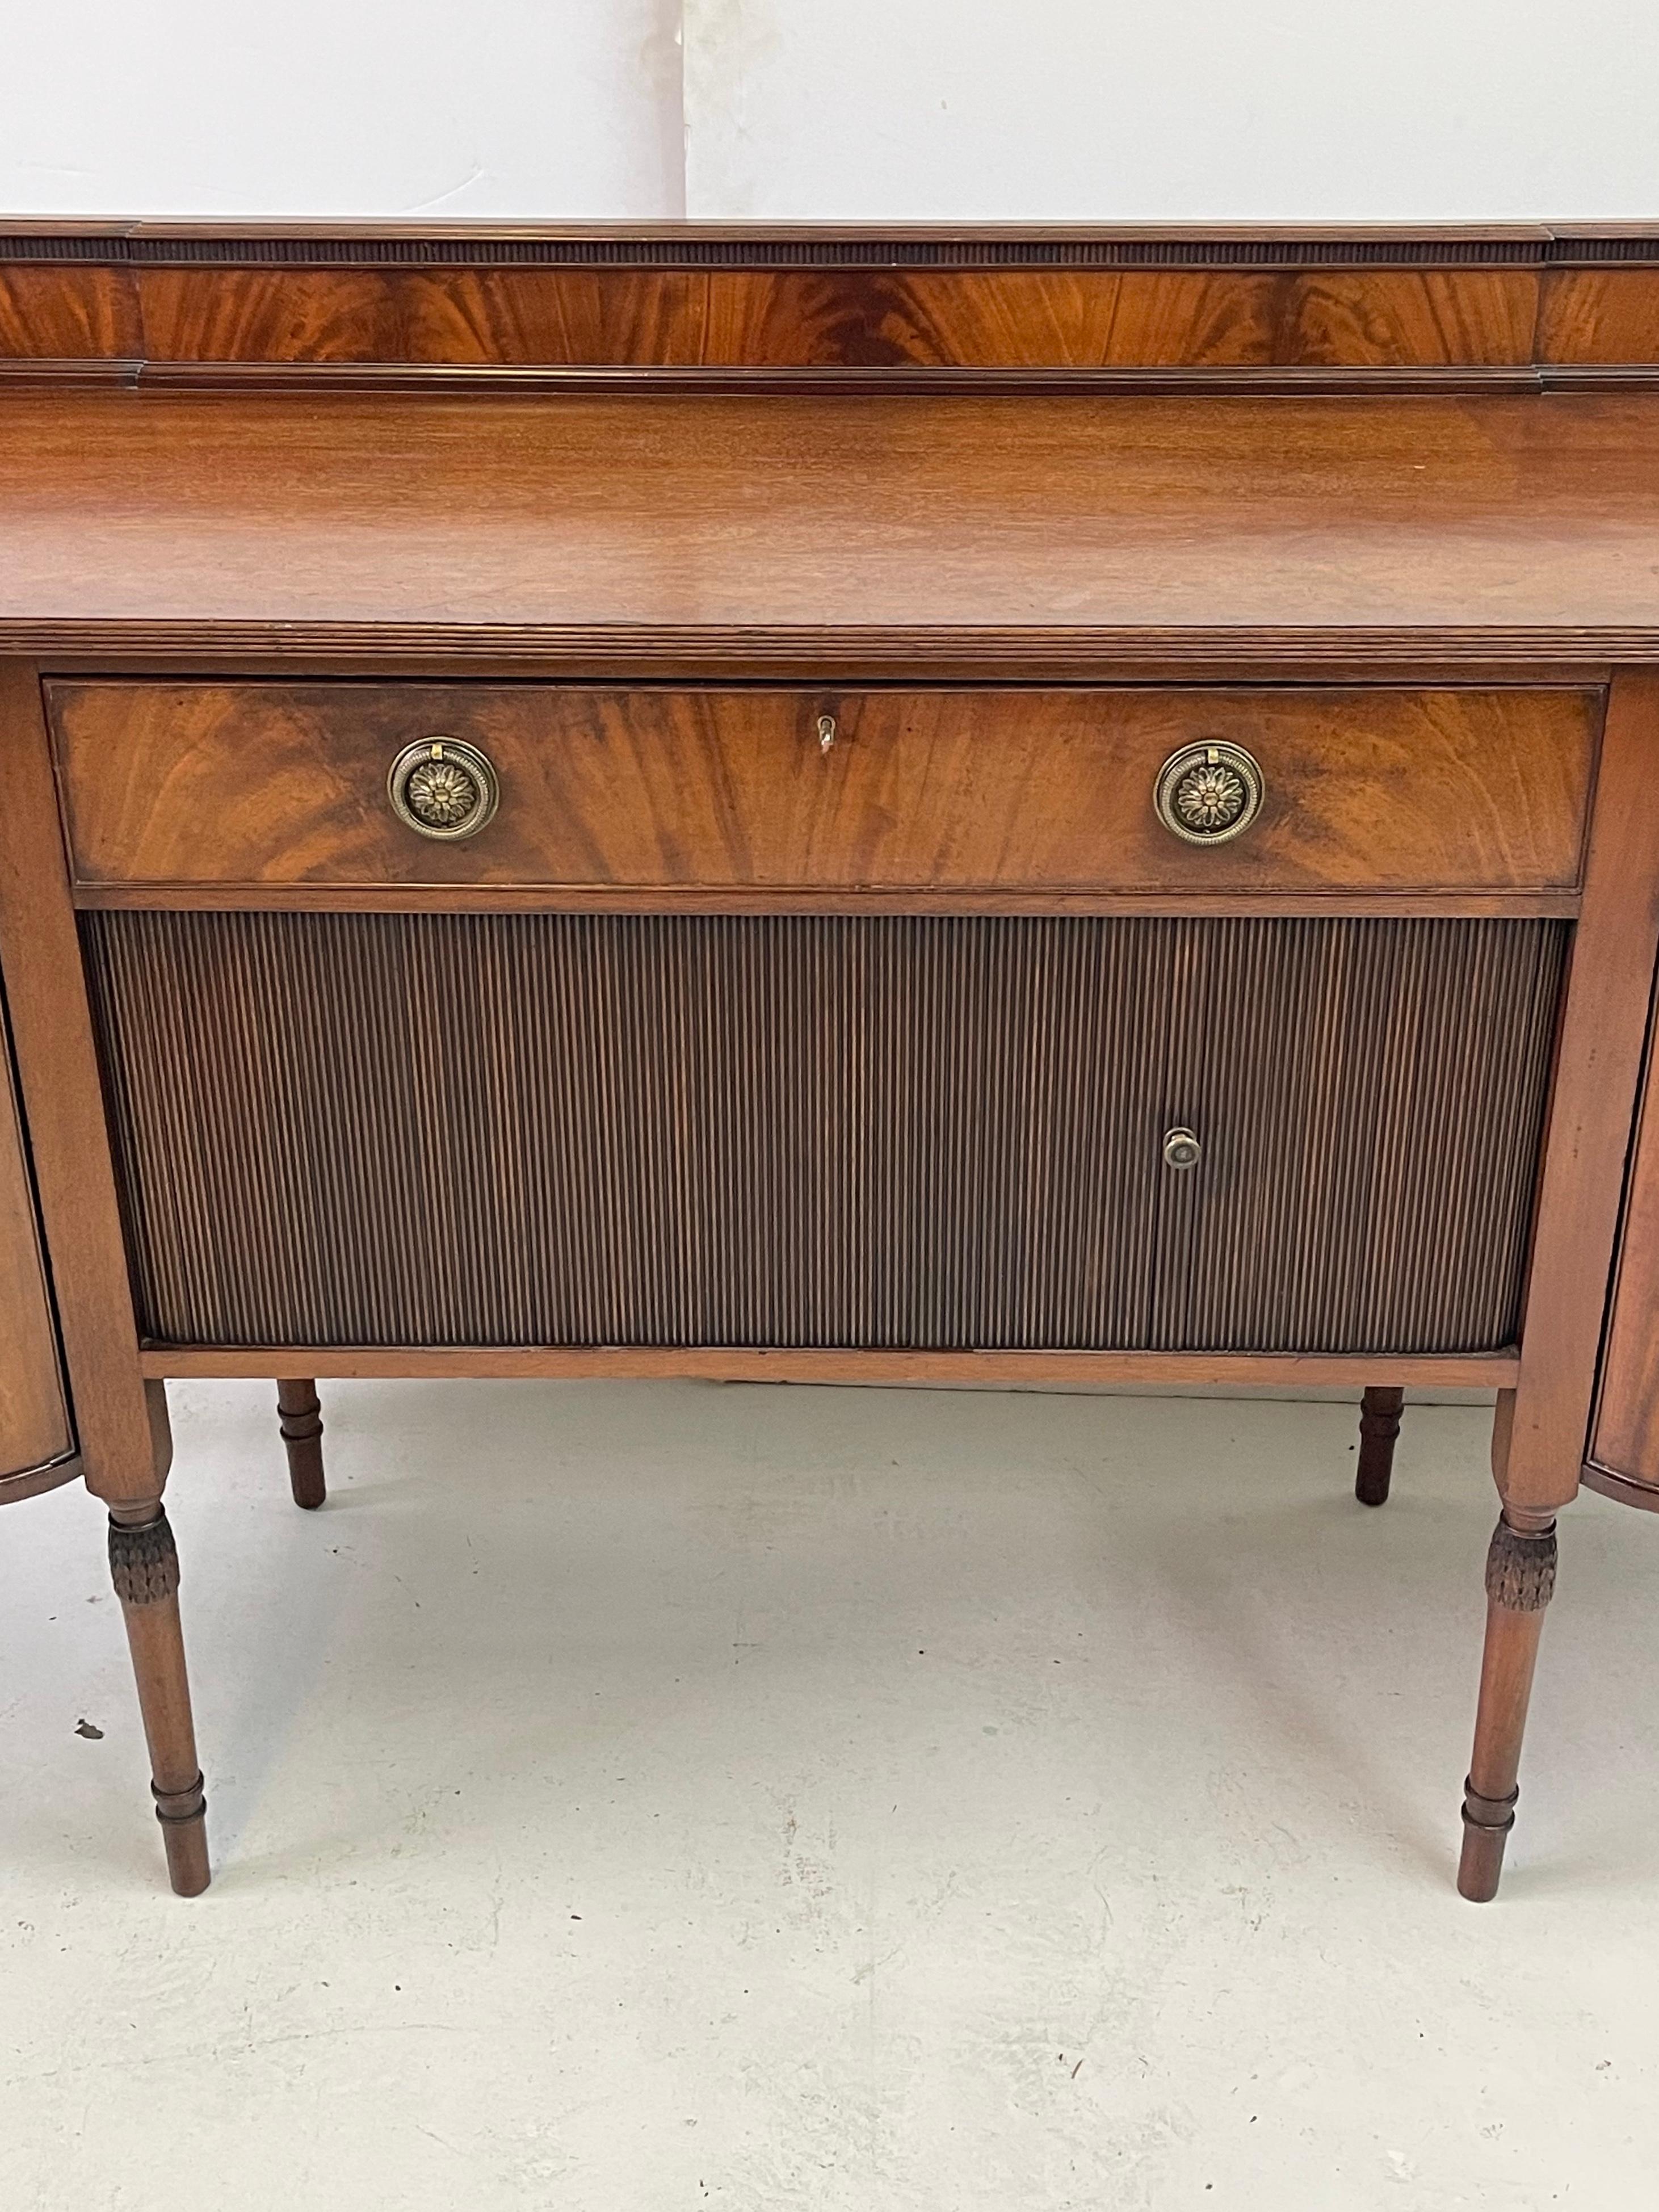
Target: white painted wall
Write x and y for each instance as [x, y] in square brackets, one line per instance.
[1174, 110]
[1127, 110]
[371, 107]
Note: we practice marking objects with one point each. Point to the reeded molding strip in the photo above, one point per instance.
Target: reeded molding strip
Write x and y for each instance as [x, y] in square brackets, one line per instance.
[606, 898]
[1422, 1371]
[500, 382]
[802, 246]
[867, 655]
[820, 245]
[497, 380]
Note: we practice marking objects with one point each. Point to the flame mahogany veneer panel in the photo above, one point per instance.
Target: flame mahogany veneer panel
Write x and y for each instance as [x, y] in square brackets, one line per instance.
[1053, 318]
[1599, 318]
[227, 785]
[68, 313]
[877, 1132]
[468, 318]
[767, 318]
[1089, 319]
[761, 302]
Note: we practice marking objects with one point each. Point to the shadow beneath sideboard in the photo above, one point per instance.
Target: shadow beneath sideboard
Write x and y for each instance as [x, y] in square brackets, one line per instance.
[1169, 1610]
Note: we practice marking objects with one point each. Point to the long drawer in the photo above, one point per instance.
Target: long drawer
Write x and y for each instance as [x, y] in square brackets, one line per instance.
[333, 788]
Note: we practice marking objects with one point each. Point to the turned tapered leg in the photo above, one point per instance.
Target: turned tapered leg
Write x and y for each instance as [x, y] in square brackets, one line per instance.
[1520, 1583]
[300, 1417]
[143, 1563]
[1379, 1425]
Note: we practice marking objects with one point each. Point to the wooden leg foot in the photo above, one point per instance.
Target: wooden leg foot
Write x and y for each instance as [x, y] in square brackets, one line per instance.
[1487, 1825]
[1379, 1425]
[145, 1567]
[183, 1839]
[300, 1417]
[1520, 1583]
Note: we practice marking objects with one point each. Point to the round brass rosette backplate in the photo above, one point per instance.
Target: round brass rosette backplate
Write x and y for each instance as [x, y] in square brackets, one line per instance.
[443, 787]
[1207, 793]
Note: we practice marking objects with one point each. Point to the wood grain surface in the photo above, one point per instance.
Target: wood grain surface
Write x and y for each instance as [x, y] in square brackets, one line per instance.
[1045, 792]
[507, 317]
[1081, 318]
[1240, 303]
[1598, 1058]
[670, 531]
[1599, 318]
[1627, 1434]
[34, 1427]
[119, 1419]
[766, 318]
[67, 312]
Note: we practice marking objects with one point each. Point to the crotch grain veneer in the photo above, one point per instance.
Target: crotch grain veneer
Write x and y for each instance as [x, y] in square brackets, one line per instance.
[1025, 807]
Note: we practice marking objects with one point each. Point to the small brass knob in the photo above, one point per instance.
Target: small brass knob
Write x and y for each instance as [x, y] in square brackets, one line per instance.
[1182, 1149]
[443, 787]
[1208, 792]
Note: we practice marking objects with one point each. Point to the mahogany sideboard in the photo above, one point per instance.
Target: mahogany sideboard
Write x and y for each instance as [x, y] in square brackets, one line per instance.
[1041, 806]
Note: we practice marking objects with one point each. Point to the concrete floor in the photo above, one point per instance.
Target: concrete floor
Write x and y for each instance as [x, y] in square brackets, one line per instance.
[630, 1796]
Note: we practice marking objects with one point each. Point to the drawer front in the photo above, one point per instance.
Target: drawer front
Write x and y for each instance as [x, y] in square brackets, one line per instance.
[768, 794]
[873, 1132]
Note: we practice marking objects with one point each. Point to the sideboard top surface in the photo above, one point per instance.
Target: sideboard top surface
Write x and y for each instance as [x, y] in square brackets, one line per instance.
[930, 527]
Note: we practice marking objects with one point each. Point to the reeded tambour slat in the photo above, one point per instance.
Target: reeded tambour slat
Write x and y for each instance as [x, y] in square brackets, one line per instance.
[391, 1129]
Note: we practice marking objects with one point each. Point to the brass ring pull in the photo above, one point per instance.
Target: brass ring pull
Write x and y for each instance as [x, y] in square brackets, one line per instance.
[1181, 1150]
[443, 787]
[1207, 793]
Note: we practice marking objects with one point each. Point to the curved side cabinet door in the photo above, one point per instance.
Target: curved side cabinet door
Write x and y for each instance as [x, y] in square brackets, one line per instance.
[1624, 1453]
[37, 1446]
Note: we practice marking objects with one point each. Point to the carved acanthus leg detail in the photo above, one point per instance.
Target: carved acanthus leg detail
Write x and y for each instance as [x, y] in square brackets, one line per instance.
[1379, 1425]
[1520, 1583]
[300, 1417]
[143, 1563]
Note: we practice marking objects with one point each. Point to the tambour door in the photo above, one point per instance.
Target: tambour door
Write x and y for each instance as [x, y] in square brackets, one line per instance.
[36, 1442]
[925, 1131]
[1368, 1100]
